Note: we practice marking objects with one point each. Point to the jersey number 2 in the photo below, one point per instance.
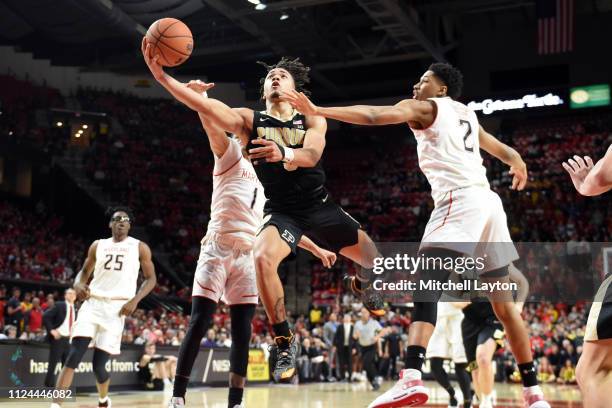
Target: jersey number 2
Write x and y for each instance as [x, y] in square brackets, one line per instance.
[118, 262]
[468, 133]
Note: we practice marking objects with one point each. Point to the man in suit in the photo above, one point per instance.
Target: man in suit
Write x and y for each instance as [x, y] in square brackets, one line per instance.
[345, 347]
[58, 321]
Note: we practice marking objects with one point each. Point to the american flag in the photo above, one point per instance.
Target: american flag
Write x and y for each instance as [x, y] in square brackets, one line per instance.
[555, 26]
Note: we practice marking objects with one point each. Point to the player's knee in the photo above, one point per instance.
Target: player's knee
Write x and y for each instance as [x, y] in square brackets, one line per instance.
[202, 310]
[78, 347]
[483, 359]
[100, 358]
[425, 312]
[264, 261]
[241, 316]
[505, 311]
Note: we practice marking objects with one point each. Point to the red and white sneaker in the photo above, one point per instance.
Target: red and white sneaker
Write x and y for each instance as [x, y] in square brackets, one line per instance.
[534, 398]
[407, 392]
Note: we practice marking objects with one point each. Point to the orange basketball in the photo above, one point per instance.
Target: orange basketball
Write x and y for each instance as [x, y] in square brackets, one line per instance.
[171, 39]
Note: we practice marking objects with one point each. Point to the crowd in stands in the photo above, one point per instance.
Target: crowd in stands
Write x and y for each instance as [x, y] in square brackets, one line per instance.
[556, 334]
[33, 245]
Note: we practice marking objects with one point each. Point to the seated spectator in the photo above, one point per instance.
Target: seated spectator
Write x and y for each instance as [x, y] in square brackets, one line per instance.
[10, 333]
[156, 370]
[567, 375]
[546, 372]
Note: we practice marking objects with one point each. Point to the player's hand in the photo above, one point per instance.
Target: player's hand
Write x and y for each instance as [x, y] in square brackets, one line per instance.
[156, 69]
[82, 291]
[56, 335]
[578, 168]
[328, 258]
[128, 308]
[199, 86]
[519, 176]
[299, 101]
[270, 152]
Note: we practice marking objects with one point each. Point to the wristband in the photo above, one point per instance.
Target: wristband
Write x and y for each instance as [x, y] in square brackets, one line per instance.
[289, 155]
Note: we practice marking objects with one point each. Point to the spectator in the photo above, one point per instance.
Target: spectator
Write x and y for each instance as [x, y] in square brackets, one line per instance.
[14, 312]
[546, 372]
[156, 370]
[35, 316]
[345, 346]
[568, 373]
[209, 341]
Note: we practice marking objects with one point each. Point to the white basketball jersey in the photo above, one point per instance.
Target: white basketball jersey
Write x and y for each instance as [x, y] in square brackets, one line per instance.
[238, 197]
[116, 270]
[446, 309]
[449, 151]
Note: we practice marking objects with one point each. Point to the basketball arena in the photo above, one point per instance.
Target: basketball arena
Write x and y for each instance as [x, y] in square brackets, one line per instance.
[305, 203]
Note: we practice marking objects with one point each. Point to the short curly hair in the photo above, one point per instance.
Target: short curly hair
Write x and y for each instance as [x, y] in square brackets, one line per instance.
[111, 210]
[299, 72]
[450, 76]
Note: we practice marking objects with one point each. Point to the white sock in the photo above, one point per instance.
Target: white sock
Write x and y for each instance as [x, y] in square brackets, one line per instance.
[55, 405]
[103, 400]
[412, 374]
[534, 389]
[486, 398]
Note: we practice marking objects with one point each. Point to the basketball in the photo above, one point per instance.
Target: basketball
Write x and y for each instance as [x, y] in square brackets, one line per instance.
[171, 39]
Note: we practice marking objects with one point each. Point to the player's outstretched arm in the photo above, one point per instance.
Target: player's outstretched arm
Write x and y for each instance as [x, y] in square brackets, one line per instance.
[503, 152]
[589, 179]
[306, 156]
[80, 281]
[402, 112]
[232, 120]
[149, 282]
[216, 136]
[328, 258]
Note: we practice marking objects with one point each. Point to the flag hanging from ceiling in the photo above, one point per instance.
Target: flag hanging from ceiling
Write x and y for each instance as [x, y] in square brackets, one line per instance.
[555, 26]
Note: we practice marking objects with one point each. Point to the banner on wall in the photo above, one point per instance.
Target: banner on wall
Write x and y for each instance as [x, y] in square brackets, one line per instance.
[25, 364]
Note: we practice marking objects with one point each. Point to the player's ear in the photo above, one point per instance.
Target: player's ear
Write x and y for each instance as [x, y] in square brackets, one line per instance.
[443, 91]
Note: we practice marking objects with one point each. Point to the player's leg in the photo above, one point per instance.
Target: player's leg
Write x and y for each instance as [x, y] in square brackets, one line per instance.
[78, 347]
[100, 358]
[437, 368]
[485, 378]
[270, 249]
[410, 389]
[517, 335]
[170, 364]
[208, 285]
[594, 373]
[241, 316]
[459, 357]
[594, 369]
[202, 310]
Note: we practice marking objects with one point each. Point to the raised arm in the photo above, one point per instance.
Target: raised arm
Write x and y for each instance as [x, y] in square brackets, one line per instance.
[503, 152]
[306, 156]
[149, 282]
[408, 110]
[591, 180]
[80, 281]
[216, 136]
[232, 120]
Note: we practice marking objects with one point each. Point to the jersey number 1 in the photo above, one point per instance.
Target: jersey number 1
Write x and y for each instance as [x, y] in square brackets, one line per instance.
[468, 133]
[118, 262]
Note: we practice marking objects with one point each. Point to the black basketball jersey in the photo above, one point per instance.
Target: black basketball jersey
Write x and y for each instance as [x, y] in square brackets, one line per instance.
[286, 186]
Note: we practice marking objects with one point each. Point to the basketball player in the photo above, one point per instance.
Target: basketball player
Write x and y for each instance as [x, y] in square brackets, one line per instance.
[467, 212]
[226, 269]
[483, 334]
[288, 164]
[447, 344]
[110, 296]
[594, 370]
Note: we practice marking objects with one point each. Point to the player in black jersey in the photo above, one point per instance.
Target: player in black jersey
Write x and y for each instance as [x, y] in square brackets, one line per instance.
[285, 148]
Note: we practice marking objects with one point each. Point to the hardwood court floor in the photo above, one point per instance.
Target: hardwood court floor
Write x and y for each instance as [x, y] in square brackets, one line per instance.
[334, 395]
